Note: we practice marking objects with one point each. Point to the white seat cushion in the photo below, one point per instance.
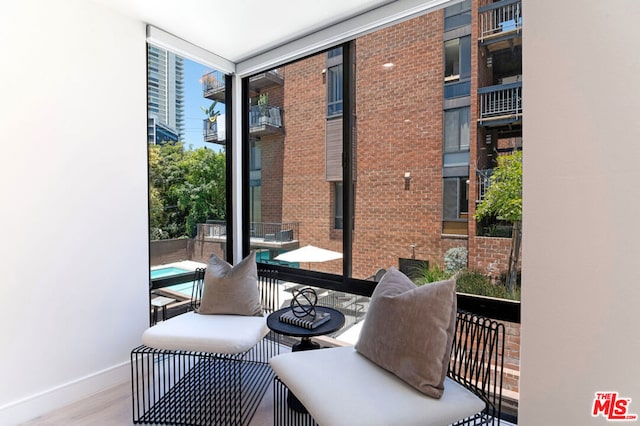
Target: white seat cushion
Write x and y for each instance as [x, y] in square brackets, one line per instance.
[225, 334]
[338, 386]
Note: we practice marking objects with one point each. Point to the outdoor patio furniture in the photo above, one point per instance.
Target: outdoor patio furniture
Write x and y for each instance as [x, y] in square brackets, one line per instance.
[340, 386]
[201, 369]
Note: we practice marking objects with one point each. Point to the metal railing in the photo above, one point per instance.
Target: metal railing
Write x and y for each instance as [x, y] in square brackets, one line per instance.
[287, 231]
[500, 101]
[484, 180]
[260, 115]
[500, 18]
[212, 82]
[280, 232]
[209, 130]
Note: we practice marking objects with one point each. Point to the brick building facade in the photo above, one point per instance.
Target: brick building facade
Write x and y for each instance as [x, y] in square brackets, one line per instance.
[403, 167]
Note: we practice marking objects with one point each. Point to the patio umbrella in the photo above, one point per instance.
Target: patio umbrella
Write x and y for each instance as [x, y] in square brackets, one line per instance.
[309, 254]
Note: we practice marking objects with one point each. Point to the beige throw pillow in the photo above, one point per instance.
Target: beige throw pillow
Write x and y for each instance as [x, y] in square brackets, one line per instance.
[231, 289]
[409, 330]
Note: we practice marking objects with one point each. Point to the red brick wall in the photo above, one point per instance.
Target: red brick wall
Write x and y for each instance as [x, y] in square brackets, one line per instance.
[511, 371]
[271, 162]
[489, 255]
[306, 195]
[399, 129]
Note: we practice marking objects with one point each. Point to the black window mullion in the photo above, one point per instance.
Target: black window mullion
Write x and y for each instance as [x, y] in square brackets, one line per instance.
[228, 101]
[246, 172]
[347, 155]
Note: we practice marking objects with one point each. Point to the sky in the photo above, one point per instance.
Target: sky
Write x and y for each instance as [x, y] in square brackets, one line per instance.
[193, 100]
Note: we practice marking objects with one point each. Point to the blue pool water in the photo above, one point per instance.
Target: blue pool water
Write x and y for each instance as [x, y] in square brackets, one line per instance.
[184, 288]
[167, 272]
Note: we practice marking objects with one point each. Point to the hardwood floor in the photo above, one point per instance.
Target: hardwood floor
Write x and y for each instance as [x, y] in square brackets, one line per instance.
[112, 407]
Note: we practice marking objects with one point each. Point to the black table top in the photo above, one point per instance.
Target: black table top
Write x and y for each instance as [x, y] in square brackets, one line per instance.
[334, 324]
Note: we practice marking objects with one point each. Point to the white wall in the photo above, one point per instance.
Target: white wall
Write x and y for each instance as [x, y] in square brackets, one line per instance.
[581, 253]
[74, 251]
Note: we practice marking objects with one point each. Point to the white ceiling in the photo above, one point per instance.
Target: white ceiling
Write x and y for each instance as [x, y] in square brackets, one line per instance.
[240, 29]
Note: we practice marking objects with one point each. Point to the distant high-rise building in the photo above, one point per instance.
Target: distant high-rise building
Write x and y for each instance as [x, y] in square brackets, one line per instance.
[165, 93]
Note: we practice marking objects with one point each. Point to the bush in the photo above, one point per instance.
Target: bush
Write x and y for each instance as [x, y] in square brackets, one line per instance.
[432, 274]
[473, 282]
[455, 259]
[470, 282]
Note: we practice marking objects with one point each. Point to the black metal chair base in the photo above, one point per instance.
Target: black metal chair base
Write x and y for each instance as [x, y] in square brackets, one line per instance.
[199, 388]
[284, 411]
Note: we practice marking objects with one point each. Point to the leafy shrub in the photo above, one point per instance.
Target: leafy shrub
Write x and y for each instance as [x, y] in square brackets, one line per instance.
[473, 282]
[455, 259]
[426, 275]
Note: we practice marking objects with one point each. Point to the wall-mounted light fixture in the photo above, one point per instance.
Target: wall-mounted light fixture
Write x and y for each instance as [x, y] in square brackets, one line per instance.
[407, 181]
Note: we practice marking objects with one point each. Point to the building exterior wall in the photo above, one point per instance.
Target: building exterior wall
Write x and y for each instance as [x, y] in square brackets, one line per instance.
[399, 131]
[306, 195]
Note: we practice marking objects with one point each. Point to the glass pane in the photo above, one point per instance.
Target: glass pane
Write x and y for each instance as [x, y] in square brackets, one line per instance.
[464, 128]
[452, 58]
[465, 58]
[187, 170]
[334, 101]
[338, 203]
[294, 195]
[452, 130]
[406, 201]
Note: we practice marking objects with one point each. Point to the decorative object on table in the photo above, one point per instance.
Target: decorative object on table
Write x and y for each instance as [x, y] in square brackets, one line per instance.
[303, 310]
[307, 321]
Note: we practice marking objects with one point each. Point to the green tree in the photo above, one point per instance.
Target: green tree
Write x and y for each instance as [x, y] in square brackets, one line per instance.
[503, 199]
[203, 193]
[186, 187]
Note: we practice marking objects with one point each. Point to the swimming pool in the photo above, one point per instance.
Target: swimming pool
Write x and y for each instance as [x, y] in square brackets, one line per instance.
[170, 271]
[167, 272]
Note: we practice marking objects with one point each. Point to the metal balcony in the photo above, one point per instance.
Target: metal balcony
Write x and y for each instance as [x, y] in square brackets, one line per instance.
[500, 22]
[265, 80]
[265, 120]
[501, 104]
[210, 132]
[213, 86]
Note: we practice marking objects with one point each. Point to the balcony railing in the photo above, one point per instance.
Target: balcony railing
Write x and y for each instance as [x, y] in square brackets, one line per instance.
[279, 232]
[501, 18]
[483, 180]
[265, 119]
[262, 234]
[500, 103]
[213, 86]
[210, 131]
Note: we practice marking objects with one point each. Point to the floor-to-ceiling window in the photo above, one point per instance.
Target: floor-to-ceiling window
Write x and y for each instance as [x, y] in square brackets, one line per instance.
[381, 171]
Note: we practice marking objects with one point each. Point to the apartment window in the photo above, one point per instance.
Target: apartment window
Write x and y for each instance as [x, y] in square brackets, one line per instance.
[457, 15]
[456, 130]
[457, 59]
[334, 82]
[187, 172]
[455, 198]
[338, 211]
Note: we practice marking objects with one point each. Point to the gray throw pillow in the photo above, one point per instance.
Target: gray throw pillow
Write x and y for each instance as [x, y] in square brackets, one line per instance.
[231, 289]
[409, 330]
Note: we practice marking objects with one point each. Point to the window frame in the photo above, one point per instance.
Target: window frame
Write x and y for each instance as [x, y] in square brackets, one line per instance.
[499, 309]
[334, 79]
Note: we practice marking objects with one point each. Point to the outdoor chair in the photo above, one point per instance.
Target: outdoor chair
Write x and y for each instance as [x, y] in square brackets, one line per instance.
[196, 369]
[418, 361]
[340, 386]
